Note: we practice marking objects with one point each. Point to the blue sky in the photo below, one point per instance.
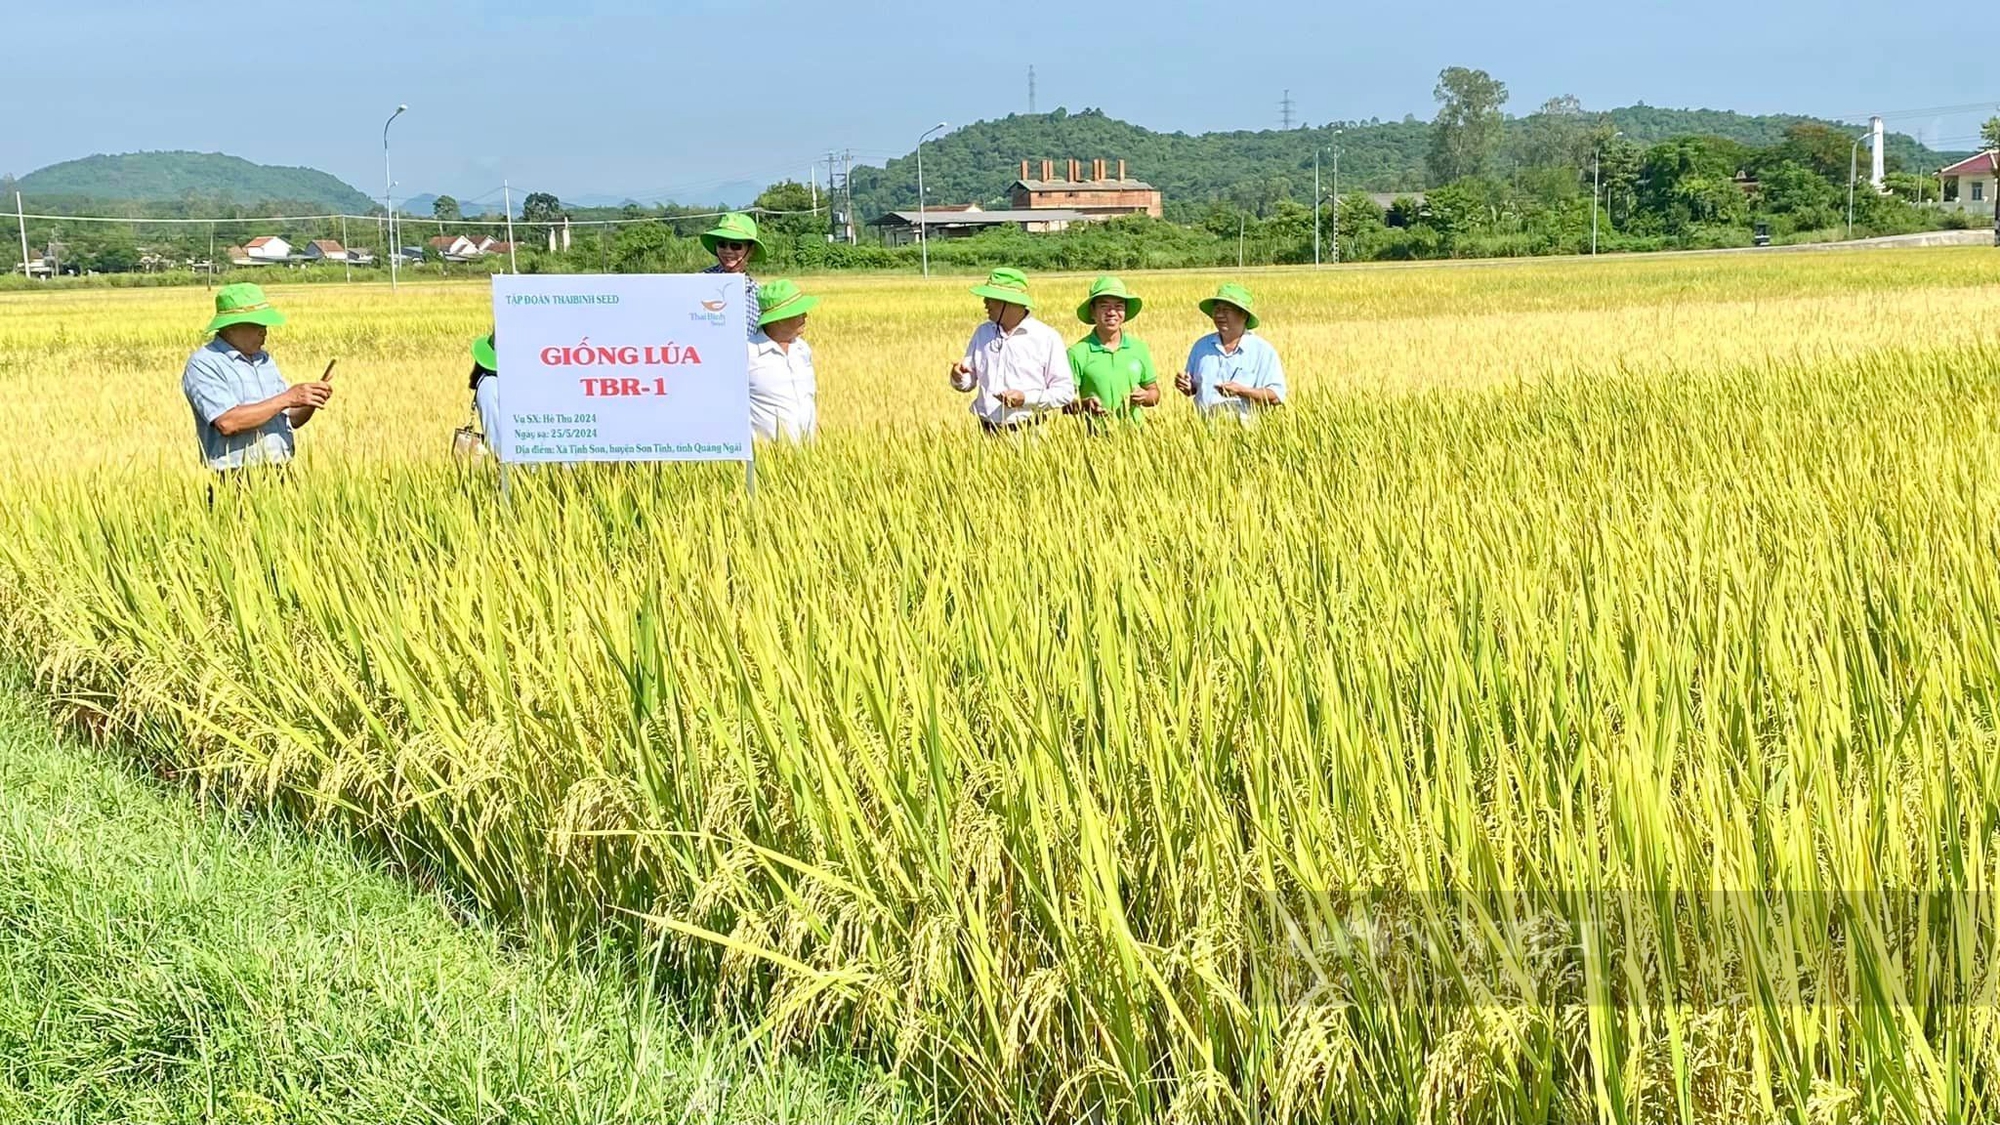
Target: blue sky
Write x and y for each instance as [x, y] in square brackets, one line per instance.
[675, 99]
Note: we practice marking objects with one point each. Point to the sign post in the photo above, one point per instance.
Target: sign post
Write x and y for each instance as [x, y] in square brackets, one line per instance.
[622, 367]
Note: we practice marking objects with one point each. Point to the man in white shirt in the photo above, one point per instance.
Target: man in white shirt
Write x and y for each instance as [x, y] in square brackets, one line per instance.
[784, 392]
[1018, 365]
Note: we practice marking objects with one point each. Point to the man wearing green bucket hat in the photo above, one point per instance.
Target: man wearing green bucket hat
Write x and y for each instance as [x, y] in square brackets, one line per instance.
[1233, 370]
[1113, 369]
[784, 391]
[733, 240]
[1015, 363]
[244, 413]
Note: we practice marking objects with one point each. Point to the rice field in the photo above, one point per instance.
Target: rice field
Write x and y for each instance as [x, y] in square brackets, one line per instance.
[1577, 705]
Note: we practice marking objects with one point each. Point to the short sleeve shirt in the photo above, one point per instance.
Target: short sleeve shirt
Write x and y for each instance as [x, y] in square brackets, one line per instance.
[1110, 375]
[1254, 363]
[219, 379]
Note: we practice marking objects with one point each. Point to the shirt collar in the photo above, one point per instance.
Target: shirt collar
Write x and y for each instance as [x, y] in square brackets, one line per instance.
[1018, 328]
[1242, 343]
[1097, 345]
[764, 344]
[220, 345]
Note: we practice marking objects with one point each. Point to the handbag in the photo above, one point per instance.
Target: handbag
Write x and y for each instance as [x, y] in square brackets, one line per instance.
[467, 442]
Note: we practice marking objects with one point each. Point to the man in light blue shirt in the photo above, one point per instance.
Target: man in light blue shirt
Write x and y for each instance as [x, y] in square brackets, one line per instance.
[1232, 370]
[244, 413]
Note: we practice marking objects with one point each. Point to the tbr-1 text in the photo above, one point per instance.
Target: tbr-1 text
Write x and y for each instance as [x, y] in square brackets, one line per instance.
[622, 388]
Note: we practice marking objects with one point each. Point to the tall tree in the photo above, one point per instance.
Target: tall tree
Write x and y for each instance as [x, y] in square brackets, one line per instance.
[1559, 135]
[1468, 129]
[1989, 134]
[445, 210]
[789, 208]
[541, 207]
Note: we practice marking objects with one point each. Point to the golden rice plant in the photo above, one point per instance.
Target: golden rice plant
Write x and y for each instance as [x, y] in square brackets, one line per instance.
[1578, 705]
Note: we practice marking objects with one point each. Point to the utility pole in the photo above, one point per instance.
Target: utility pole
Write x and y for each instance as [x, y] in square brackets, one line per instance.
[1031, 91]
[1241, 218]
[1316, 198]
[1285, 111]
[1993, 162]
[1336, 197]
[21, 220]
[1596, 180]
[847, 194]
[346, 251]
[507, 204]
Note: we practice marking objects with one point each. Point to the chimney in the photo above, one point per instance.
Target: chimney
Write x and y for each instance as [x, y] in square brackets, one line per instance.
[1024, 169]
[1048, 170]
[1075, 170]
[1121, 171]
[1097, 171]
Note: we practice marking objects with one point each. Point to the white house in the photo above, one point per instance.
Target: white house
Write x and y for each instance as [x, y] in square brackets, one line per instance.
[266, 249]
[455, 247]
[1968, 185]
[326, 250]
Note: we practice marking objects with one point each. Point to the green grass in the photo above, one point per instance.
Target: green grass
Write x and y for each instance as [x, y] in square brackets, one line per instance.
[164, 962]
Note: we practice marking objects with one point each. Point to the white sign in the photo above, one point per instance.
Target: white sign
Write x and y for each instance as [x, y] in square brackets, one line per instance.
[609, 367]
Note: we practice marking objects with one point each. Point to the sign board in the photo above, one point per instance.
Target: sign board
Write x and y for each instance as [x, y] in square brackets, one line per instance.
[622, 367]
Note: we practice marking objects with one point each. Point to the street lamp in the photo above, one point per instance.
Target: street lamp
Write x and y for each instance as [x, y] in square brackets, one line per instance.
[923, 223]
[1596, 177]
[1854, 173]
[388, 194]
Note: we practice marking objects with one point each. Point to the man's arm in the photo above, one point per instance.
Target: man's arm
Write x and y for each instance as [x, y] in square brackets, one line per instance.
[961, 372]
[1271, 380]
[1148, 393]
[1058, 387]
[296, 403]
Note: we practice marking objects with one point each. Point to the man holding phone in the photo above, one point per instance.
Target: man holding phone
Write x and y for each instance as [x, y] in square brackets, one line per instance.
[244, 413]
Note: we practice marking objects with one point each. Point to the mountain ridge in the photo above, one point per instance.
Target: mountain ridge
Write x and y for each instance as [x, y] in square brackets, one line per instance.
[170, 176]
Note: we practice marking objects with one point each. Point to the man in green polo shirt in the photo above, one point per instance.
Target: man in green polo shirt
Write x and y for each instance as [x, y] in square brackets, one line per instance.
[1114, 369]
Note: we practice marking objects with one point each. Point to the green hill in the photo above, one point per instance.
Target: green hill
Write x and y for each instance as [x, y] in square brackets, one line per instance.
[978, 162]
[162, 177]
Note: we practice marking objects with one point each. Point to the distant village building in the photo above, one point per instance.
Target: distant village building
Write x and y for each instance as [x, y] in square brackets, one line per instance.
[1039, 206]
[464, 248]
[266, 250]
[1101, 195]
[326, 250]
[1968, 185]
[962, 220]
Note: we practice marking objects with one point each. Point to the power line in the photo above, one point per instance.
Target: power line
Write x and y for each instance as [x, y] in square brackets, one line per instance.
[373, 218]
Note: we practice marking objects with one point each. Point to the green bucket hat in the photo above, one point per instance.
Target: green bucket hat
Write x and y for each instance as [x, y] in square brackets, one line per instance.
[1109, 287]
[734, 227]
[243, 303]
[482, 353]
[1009, 285]
[1233, 294]
[782, 300]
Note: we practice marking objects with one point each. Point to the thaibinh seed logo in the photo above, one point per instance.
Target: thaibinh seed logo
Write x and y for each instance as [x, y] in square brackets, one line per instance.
[713, 312]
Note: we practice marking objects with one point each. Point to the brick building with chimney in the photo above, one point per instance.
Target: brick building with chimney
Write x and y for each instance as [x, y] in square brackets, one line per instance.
[1100, 196]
